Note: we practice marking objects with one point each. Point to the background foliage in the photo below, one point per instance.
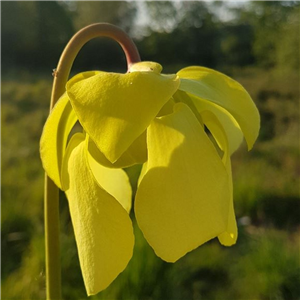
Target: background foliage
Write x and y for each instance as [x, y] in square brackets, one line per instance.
[257, 43]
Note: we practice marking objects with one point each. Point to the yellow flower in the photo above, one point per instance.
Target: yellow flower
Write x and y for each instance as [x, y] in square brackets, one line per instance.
[184, 197]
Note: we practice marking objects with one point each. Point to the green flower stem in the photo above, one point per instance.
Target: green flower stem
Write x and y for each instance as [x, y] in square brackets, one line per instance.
[51, 207]
[61, 75]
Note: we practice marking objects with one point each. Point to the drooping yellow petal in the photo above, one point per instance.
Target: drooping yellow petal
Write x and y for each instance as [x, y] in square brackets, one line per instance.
[231, 127]
[135, 154]
[54, 138]
[115, 109]
[102, 227]
[229, 236]
[182, 200]
[114, 181]
[216, 87]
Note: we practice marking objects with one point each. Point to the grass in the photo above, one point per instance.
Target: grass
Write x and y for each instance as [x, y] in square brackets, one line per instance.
[263, 265]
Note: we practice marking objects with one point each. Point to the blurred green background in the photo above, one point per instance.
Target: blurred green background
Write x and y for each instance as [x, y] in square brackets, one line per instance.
[257, 43]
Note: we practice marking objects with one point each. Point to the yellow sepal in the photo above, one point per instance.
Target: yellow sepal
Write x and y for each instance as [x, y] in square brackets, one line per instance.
[54, 138]
[210, 85]
[182, 199]
[102, 227]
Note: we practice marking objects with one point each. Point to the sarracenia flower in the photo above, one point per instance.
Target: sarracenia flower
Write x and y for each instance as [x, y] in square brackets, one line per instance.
[184, 197]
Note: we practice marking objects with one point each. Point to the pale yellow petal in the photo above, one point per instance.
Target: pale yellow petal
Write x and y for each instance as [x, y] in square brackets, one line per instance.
[182, 200]
[229, 236]
[231, 127]
[216, 87]
[114, 181]
[115, 109]
[102, 227]
[54, 138]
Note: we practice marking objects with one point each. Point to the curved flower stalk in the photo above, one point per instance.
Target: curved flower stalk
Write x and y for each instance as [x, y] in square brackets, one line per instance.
[184, 197]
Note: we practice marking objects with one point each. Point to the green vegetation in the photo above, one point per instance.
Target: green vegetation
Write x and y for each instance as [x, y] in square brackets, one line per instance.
[259, 47]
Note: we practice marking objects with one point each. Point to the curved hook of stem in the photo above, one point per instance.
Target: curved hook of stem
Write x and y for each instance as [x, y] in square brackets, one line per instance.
[61, 75]
[77, 42]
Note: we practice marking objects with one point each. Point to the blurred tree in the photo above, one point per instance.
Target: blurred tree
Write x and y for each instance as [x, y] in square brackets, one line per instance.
[288, 42]
[119, 13]
[267, 19]
[198, 31]
[33, 33]
[54, 28]
[17, 31]
[102, 53]
[163, 14]
[195, 14]
[235, 41]
[192, 40]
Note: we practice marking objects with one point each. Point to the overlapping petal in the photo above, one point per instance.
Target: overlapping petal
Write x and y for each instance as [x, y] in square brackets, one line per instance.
[231, 127]
[54, 138]
[113, 181]
[229, 236]
[216, 87]
[102, 227]
[124, 105]
[135, 154]
[182, 200]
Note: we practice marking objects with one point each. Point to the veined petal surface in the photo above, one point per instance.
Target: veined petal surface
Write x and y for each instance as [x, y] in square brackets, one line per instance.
[103, 229]
[54, 138]
[182, 200]
[114, 109]
[216, 87]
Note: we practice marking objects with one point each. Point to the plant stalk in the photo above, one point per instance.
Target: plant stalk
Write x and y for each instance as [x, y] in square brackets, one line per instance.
[61, 75]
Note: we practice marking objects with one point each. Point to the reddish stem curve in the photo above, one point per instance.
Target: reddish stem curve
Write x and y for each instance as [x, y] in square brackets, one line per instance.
[70, 52]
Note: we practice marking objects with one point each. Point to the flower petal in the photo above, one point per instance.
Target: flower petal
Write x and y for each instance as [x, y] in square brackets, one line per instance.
[231, 127]
[216, 87]
[142, 173]
[114, 181]
[135, 154]
[229, 236]
[182, 200]
[114, 109]
[103, 229]
[54, 138]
